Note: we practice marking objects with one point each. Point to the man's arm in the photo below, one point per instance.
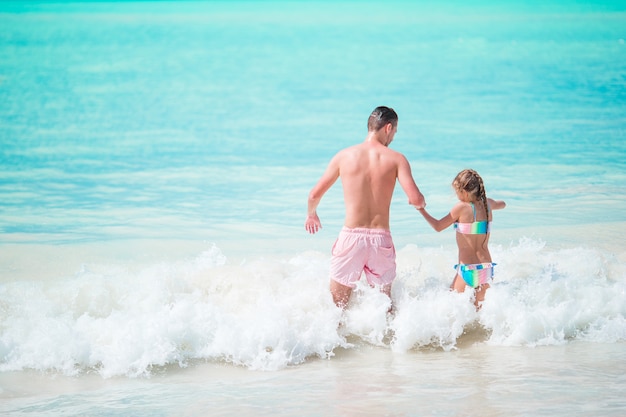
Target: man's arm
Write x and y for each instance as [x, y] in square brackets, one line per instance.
[312, 223]
[408, 184]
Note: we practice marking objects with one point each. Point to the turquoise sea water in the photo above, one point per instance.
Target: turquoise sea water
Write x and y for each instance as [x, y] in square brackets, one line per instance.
[119, 115]
[155, 160]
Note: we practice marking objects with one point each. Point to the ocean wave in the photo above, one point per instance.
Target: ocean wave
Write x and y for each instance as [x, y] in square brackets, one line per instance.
[272, 313]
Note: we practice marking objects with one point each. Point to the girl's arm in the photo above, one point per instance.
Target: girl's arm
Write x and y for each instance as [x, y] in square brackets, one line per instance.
[440, 224]
[496, 204]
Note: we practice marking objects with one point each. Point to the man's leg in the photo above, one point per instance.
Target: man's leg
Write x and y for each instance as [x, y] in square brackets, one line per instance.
[386, 289]
[341, 293]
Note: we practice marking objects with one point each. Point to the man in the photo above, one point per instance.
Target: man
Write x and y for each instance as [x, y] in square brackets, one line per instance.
[368, 174]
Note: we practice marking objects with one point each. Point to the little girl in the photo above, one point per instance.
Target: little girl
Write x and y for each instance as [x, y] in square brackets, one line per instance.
[471, 217]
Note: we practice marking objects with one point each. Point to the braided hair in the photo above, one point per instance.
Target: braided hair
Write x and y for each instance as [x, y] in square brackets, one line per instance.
[468, 180]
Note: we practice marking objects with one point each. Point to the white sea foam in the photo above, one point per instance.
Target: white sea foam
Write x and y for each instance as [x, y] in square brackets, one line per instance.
[271, 313]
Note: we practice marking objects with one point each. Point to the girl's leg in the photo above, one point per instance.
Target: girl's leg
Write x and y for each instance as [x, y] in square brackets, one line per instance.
[458, 284]
[479, 293]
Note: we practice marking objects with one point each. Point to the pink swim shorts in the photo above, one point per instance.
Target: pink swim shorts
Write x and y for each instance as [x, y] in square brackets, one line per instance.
[361, 250]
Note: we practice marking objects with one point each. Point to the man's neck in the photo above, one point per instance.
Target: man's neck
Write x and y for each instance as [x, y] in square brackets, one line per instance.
[376, 138]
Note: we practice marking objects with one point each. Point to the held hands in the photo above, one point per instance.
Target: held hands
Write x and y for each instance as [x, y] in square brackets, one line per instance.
[312, 223]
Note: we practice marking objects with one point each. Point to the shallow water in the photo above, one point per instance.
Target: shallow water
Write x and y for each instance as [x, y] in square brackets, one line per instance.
[370, 381]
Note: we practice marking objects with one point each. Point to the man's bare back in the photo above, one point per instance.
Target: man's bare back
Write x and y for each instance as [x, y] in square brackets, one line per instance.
[368, 174]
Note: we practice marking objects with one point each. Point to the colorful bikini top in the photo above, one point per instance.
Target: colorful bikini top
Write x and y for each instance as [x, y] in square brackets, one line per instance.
[476, 228]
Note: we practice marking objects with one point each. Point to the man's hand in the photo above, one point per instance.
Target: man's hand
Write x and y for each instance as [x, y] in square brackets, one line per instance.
[312, 223]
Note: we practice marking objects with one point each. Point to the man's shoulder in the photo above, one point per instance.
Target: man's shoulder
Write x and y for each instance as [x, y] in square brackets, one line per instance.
[350, 150]
[397, 156]
[363, 149]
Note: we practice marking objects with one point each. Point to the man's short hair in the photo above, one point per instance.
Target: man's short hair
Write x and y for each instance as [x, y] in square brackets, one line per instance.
[380, 117]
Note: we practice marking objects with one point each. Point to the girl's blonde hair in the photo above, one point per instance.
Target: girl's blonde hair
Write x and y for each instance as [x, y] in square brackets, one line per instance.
[468, 180]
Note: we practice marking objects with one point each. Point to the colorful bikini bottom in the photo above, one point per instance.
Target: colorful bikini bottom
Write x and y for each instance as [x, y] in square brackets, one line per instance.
[475, 275]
